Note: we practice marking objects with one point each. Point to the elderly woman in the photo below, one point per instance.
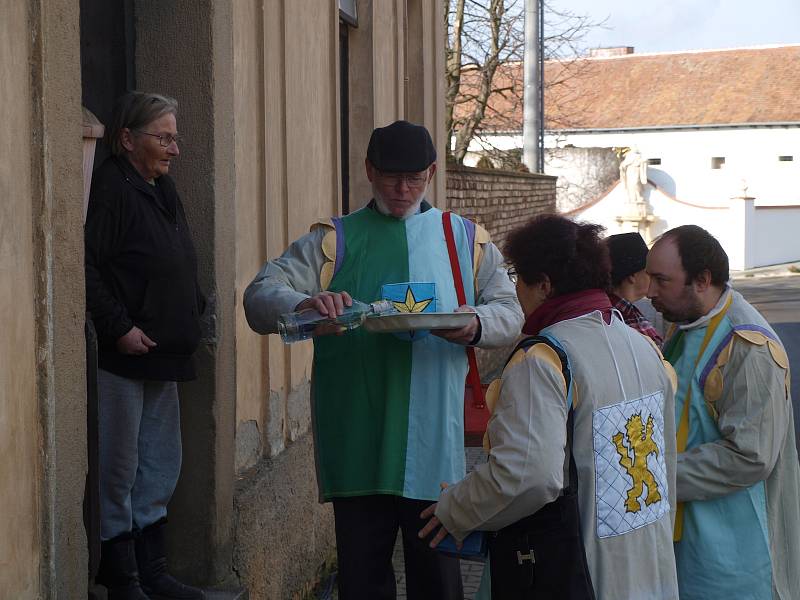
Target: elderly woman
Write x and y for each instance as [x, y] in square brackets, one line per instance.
[141, 290]
[580, 480]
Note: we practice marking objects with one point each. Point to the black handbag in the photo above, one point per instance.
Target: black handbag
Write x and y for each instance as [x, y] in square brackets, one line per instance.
[542, 556]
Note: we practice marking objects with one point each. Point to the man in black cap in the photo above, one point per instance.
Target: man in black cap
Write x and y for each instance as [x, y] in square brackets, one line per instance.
[629, 281]
[388, 409]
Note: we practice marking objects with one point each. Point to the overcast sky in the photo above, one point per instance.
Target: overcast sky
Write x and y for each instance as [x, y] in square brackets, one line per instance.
[688, 24]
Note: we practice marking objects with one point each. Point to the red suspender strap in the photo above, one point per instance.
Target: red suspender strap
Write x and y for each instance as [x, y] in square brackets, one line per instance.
[473, 377]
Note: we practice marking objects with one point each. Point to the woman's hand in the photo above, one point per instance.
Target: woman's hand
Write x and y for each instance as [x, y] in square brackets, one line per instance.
[135, 342]
[433, 523]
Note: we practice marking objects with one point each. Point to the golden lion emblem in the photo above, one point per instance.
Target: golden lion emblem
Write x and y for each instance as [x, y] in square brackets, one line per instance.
[641, 445]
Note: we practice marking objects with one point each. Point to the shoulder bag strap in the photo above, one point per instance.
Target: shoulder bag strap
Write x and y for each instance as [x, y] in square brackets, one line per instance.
[572, 488]
[473, 377]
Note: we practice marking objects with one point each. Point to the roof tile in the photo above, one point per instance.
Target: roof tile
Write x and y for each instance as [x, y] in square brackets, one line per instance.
[695, 88]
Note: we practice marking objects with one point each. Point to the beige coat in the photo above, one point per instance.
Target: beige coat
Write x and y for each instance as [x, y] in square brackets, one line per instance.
[627, 528]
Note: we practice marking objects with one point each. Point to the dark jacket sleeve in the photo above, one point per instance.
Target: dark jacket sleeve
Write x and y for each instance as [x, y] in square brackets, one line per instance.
[102, 231]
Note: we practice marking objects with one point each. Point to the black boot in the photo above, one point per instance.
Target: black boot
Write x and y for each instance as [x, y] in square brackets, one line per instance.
[117, 570]
[151, 556]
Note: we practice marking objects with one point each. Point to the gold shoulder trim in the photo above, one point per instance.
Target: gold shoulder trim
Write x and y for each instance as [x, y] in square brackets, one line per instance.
[492, 395]
[517, 358]
[481, 235]
[757, 338]
[329, 250]
[712, 390]
[327, 223]
[778, 354]
[673, 377]
[541, 352]
[754, 337]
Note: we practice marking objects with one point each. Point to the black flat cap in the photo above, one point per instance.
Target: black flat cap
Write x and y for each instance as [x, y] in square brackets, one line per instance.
[401, 147]
[628, 255]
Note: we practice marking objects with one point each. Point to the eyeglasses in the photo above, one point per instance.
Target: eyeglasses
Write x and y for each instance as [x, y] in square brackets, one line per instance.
[414, 180]
[164, 139]
[512, 274]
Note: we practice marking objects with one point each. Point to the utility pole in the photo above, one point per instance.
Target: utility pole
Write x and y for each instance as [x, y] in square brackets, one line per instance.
[533, 100]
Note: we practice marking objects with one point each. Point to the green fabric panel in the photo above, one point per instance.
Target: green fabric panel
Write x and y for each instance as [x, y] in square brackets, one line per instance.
[674, 347]
[362, 380]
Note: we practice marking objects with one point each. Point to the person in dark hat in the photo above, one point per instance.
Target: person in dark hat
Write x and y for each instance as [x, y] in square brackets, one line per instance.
[629, 281]
[388, 409]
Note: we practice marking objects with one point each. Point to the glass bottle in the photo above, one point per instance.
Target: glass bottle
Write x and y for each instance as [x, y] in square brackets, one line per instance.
[303, 324]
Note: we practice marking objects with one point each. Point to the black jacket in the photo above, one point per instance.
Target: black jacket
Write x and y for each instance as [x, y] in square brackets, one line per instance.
[141, 269]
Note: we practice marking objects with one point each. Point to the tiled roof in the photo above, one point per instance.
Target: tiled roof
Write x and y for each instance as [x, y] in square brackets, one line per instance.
[695, 88]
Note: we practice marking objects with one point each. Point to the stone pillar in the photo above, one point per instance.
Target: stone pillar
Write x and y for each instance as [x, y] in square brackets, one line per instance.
[55, 202]
[184, 48]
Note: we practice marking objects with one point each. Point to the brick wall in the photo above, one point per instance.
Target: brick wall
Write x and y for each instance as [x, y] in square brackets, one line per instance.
[499, 200]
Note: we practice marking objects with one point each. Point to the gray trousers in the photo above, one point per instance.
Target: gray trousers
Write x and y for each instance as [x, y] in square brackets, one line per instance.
[140, 451]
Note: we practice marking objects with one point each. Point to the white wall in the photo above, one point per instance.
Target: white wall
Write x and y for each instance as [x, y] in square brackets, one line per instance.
[689, 190]
[775, 235]
[685, 170]
[752, 236]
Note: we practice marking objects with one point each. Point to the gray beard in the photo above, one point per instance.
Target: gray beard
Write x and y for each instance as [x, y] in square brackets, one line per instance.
[385, 211]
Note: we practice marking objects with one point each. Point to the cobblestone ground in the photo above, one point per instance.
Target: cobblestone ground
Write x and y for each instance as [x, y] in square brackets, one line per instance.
[471, 572]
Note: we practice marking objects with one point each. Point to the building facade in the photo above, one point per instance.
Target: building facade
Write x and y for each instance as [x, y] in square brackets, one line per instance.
[713, 125]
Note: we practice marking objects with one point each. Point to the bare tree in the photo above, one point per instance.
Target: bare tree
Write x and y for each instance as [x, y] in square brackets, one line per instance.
[485, 43]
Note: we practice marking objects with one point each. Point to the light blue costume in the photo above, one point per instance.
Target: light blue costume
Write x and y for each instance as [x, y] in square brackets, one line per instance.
[738, 478]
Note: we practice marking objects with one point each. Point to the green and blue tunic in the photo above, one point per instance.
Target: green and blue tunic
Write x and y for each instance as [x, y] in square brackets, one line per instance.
[388, 412]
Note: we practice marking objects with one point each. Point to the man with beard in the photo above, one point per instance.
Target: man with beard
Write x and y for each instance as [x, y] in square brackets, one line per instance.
[388, 410]
[737, 530]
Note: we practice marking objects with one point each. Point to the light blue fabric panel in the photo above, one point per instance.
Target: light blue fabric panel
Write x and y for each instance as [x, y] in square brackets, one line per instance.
[435, 448]
[724, 550]
[722, 562]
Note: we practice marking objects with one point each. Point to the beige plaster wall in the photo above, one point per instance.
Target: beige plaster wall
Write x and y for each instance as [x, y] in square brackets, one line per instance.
[287, 177]
[426, 83]
[19, 423]
[396, 72]
[42, 366]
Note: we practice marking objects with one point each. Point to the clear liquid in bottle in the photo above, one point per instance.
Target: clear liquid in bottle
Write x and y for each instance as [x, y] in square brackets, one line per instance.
[304, 324]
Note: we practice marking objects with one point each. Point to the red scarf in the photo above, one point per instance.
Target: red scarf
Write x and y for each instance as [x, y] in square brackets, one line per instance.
[566, 307]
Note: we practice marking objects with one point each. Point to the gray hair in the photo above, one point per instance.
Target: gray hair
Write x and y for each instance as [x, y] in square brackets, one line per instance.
[135, 110]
